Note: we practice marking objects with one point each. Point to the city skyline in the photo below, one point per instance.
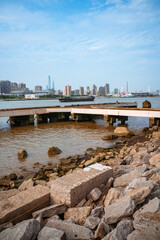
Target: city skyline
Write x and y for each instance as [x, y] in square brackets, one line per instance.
[81, 43]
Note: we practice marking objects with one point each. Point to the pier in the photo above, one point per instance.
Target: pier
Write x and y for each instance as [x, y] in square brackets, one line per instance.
[110, 112]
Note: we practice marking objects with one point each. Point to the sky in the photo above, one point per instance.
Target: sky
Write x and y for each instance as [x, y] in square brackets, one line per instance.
[81, 43]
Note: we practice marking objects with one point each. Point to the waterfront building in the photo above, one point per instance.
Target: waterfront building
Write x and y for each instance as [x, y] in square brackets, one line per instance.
[116, 91]
[94, 89]
[14, 86]
[38, 88]
[88, 90]
[106, 87]
[81, 91]
[101, 91]
[21, 87]
[5, 86]
[67, 90]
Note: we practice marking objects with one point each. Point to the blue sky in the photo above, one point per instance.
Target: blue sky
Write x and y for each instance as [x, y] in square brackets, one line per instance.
[81, 42]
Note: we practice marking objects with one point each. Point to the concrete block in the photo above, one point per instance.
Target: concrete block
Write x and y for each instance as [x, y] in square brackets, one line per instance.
[20, 206]
[72, 188]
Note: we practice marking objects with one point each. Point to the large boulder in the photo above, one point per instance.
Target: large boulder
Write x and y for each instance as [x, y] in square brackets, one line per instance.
[121, 131]
[22, 154]
[26, 185]
[152, 232]
[118, 210]
[51, 233]
[72, 231]
[26, 230]
[53, 151]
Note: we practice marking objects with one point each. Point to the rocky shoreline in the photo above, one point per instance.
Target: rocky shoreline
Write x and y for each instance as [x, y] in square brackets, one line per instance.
[127, 206]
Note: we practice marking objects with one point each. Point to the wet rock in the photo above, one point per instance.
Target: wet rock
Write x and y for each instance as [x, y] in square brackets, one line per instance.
[65, 161]
[51, 233]
[123, 229]
[110, 137]
[79, 214]
[112, 196]
[121, 131]
[94, 194]
[22, 154]
[102, 230]
[12, 176]
[26, 230]
[30, 176]
[72, 231]
[127, 178]
[118, 210]
[92, 222]
[53, 151]
[50, 211]
[155, 160]
[26, 185]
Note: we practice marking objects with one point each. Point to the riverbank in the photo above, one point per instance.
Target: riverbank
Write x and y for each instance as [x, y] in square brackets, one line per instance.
[127, 206]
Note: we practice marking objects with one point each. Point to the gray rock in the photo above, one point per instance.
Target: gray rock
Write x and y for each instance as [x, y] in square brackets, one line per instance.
[112, 196]
[97, 211]
[48, 233]
[149, 233]
[50, 211]
[141, 182]
[150, 172]
[123, 229]
[118, 210]
[94, 194]
[26, 230]
[152, 206]
[72, 231]
[92, 222]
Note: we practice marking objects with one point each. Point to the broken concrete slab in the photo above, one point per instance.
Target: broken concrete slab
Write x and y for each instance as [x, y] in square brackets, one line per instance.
[72, 231]
[20, 206]
[50, 211]
[26, 230]
[72, 188]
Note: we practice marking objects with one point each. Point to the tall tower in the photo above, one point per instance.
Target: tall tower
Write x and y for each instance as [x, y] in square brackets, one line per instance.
[49, 82]
[127, 87]
[53, 85]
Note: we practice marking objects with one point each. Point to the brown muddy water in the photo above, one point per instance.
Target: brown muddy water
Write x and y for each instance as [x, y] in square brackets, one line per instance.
[71, 137]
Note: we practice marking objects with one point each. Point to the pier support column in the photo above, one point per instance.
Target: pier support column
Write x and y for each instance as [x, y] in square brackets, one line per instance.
[110, 119]
[42, 118]
[122, 119]
[154, 122]
[21, 120]
[82, 117]
[57, 117]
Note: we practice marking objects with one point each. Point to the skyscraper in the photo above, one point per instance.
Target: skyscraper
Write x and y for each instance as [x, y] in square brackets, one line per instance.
[106, 89]
[94, 90]
[49, 82]
[81, 91]
[127, 87]
[101, 91]
[5, 86]
[67, 90]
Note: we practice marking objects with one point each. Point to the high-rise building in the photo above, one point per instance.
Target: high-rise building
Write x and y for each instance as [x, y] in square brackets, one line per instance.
[88, 90]
[116, 91]
[49, 82]
[94, 90]
[67, 90]
[38, 88]
[101, 91]
[81, 91]
[106, 89]
[14, 86]
[5, 86]
[21, 86]
[53, 85]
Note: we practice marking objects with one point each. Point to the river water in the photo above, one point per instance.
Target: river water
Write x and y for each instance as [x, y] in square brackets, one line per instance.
[71, 137]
